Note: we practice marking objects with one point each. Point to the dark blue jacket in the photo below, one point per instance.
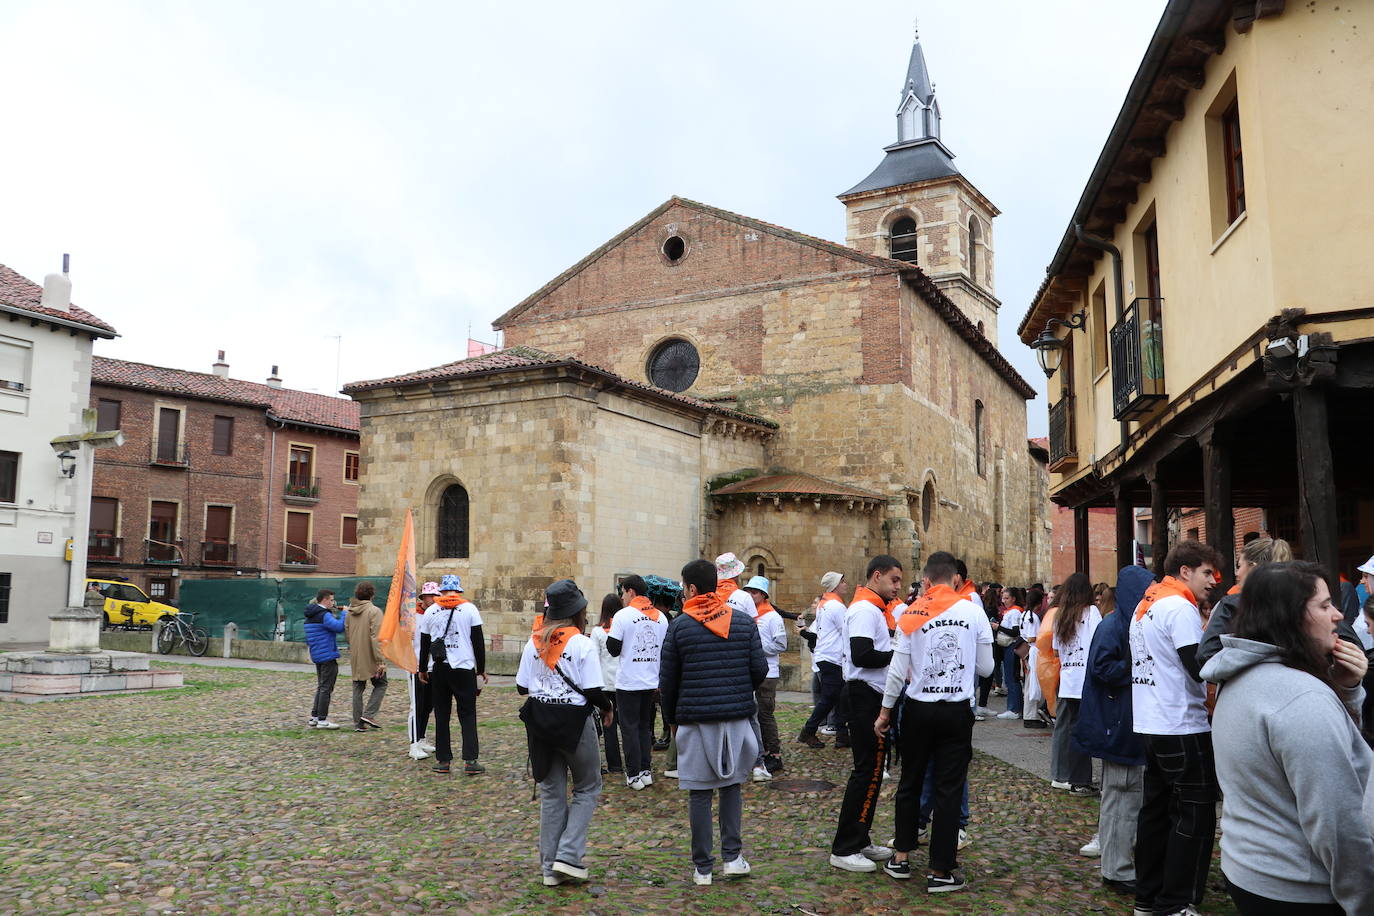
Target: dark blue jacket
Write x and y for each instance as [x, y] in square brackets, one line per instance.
[320, 627]
[1104, 727]
[703, 678]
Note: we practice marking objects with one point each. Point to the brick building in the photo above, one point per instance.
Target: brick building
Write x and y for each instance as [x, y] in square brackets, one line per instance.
[219, 477]
[829, 402]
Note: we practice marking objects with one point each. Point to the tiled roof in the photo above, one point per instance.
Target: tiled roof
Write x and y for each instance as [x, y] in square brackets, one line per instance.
[284, 403]
[527, 357]
[20, 292]
[794, 484]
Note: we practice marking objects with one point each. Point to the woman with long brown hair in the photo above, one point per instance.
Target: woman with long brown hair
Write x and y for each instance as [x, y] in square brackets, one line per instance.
[1296, 834]
[1075, 620]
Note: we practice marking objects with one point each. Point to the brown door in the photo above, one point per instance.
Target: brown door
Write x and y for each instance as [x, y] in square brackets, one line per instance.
[219, 522]
[298, 548]
[168, 434]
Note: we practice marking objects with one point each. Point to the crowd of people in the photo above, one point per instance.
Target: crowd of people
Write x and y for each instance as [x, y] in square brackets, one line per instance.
[1254, 698]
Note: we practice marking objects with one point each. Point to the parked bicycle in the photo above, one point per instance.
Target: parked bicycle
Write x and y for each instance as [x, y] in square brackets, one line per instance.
[179, 628]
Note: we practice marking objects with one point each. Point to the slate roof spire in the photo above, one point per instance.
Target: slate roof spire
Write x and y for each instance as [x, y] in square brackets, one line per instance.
[918, 114]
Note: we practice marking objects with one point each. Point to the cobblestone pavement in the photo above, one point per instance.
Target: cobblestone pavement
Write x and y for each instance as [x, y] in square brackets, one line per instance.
[217, 799]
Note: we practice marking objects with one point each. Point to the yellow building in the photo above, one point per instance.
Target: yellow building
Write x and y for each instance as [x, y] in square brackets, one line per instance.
[1206, 320]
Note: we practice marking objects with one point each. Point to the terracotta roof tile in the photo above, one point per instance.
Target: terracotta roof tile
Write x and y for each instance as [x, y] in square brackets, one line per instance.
[526, 357]
[284, 403]
[20, 292]
[795, 484]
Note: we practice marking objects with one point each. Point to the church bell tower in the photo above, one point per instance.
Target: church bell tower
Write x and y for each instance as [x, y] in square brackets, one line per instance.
[916, 206]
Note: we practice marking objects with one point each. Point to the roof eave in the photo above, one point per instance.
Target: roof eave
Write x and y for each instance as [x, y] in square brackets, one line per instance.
[72, 324]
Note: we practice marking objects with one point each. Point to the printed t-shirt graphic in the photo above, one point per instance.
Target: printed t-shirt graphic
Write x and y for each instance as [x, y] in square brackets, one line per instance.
[941, 633]
[641, 638]
[1073, 655]
[578, 662]
[456, 634]
[1165, 699]
[865, 619]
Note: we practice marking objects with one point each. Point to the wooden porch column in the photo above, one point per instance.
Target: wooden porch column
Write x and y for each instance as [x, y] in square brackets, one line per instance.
[1081, 556]
[1216, 496]
[1159, 521]
[1125, 527]
[1316, 484]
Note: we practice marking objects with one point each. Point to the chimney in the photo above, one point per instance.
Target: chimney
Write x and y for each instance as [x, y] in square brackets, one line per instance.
[274, 379]
[57, 289]
[220, 368]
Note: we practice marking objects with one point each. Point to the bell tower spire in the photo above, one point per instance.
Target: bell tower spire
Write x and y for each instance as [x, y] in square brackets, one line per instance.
[918, 114]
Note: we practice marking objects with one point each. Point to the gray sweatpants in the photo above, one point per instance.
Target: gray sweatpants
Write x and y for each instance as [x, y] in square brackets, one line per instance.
[699, 814]
[563, 824]
[374, 702]
[1123, 789]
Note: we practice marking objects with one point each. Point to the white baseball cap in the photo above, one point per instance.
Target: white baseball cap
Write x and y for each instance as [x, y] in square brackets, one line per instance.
[1368, 566]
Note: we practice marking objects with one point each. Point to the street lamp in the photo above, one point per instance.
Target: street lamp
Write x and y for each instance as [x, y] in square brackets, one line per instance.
[66, 464]
[1049, 349]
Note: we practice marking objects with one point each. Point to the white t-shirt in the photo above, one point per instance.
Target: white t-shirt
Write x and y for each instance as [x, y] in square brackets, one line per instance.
[1012, 619]
[457, 635]
[1165, 700]
[1030, 626]
[773, 634]
[640, 639]
[609, 663]
[944, 654]
[829, 629]
[743, 602]
[865, 619]
[1073, 655]
[578, 662]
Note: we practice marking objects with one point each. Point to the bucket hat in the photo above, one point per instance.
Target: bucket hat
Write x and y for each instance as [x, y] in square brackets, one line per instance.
[429, 588]
[451, 583]
[728, 566]
[759, 583]
[563, 599]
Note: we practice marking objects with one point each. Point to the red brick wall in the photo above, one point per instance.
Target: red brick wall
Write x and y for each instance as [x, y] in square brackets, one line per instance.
[1246, 520]
[1101, 545]
[336, 499]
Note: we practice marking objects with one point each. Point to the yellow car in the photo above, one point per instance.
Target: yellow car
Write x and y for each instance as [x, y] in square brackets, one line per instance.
[126, 605]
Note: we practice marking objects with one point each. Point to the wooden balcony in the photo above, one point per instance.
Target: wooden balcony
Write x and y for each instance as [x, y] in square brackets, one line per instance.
[1137, 342]
[1063, 441]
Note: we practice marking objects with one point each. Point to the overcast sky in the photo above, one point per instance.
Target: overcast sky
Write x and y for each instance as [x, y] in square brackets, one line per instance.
[260, 177]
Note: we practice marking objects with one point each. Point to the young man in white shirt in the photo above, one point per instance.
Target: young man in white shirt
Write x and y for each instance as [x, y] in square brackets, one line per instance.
[1174, 833]
[636, 639]
[452, 669]
[944, 644]
[773, 635]
[826, 636]
[869, 650]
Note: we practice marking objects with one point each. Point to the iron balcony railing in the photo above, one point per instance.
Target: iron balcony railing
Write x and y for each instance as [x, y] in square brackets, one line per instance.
[163, 553]
[165, 455]
[104, 548]
[302, 489]
[1138, 359]
[1063, 442]
[218, 553]
[300, 554]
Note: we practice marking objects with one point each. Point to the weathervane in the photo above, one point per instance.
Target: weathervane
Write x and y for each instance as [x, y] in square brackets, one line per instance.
[916, 27]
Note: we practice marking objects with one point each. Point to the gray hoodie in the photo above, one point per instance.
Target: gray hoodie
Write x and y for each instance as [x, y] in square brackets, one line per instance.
[1291, 761]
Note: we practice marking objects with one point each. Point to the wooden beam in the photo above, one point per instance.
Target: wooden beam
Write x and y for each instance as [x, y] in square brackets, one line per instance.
[1159, 521]
[1145, 148]
[1185, 77]
[1125, 526]
[1209, 43]
[1316, 484]
[1216, 497]
[1166, 109]
[1081, 557]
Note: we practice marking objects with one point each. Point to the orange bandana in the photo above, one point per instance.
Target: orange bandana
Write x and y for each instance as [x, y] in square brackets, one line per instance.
[450, 601]
[724, 588]
[831, 596]
[644, 606]
[1234, 590]
[936, 600]
[710, 611]
[553, 651]
[1170, 586]
[864, 593]
[763, 607]
[967, 590]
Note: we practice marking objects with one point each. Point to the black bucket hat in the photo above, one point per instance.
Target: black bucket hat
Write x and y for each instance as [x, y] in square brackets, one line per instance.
[564, 599]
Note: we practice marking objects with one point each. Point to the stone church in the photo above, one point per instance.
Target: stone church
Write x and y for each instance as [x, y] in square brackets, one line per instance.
[707, 382]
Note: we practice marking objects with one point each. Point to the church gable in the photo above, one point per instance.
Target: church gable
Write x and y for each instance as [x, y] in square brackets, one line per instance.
[684, 249]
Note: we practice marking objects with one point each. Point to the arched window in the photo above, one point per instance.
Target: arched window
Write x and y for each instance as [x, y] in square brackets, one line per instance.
[452, 535]
[978, 436]
[927, 505]
[973, 233]
[904, 241]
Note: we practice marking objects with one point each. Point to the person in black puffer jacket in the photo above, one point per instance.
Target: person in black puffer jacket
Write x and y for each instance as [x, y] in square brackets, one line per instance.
[711, 663]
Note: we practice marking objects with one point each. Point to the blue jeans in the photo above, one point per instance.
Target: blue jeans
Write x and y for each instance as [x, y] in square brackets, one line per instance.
[1011, 679]
[928, 799]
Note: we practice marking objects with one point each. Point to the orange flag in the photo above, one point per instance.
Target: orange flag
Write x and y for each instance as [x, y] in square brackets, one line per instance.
[397, 635]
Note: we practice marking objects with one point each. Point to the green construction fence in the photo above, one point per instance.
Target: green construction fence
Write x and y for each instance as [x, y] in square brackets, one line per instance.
[258, 605]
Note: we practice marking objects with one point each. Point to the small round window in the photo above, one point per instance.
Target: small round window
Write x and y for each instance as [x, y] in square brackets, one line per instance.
[674, 365]
[674, 247]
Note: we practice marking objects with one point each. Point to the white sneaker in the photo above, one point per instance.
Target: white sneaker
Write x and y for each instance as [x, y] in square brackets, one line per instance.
[1056, 784]
[737, 869]
[827, 730]
[575, 872]
[853, 862]
[426, 746]
[1092, 849]
[876, 853]
[761, 774]
[635, 782]
[646, 779]
[699, 879]
[325, 723]
[553, 880]
[671, 774]
[982, 711]
[1008, 715]
[416, 752]
[923, 836]
[963, 838]
[312, 723]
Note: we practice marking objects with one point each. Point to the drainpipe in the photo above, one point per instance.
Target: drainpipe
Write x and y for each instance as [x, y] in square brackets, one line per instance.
[1102, 244]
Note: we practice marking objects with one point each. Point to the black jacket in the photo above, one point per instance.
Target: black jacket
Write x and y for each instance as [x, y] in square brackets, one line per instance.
[703, 678]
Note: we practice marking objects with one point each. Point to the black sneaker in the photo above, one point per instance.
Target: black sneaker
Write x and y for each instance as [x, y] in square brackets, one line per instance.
[937, 885]
[473, 768]
[772, 763]
[842, 741]
[810, 740]
[443, 767]
[1085, 791]
[899, 870]
[661, 744]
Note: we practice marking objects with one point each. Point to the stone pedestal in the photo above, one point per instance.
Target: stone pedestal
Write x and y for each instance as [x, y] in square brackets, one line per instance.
[75, 630]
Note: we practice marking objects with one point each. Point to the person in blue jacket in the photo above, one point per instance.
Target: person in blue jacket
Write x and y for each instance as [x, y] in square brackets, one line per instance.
[1104, 730]
[321, 631]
